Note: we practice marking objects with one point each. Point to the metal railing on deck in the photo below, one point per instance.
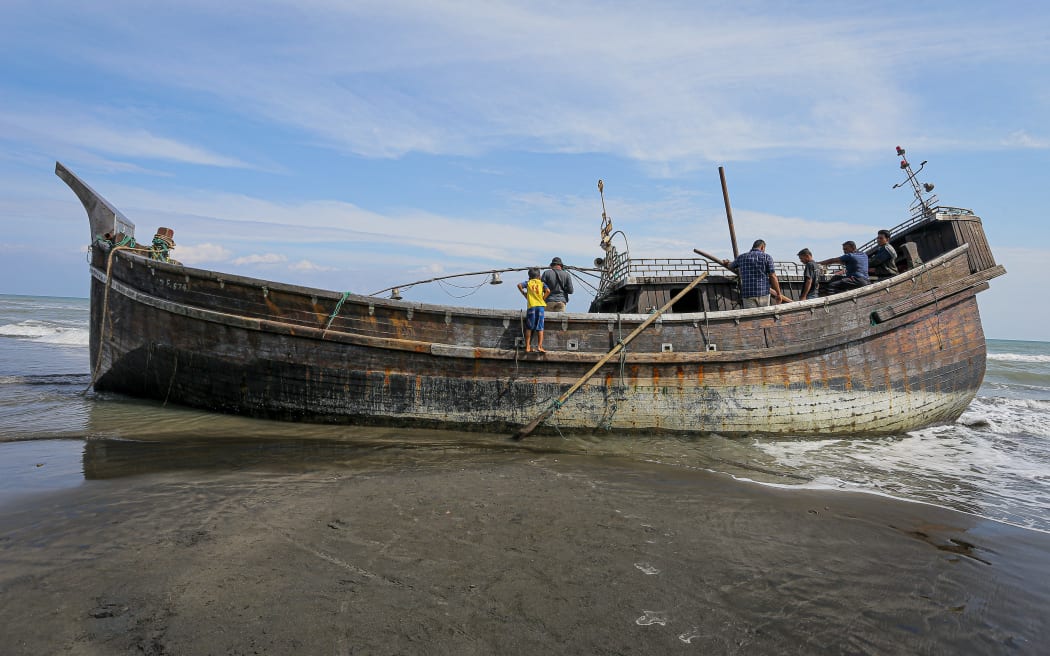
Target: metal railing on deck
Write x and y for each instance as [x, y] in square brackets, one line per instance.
[919, 215]
[669, 267]
[623, 268]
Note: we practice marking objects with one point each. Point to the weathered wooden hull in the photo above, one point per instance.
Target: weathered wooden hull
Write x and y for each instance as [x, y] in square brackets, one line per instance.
[196, 338]
[896, 356]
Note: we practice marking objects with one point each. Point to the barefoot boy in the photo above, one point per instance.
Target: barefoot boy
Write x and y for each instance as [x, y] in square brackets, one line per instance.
[536, 293]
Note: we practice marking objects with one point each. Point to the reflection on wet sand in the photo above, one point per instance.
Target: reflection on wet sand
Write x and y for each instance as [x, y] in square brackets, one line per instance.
[116, 458]
[128, 437]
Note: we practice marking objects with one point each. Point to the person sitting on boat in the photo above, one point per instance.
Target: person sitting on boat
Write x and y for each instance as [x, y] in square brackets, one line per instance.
[882, 263]
[811, 273]
[757, 275]
[560, 283]
[535, 292]
[856, 269]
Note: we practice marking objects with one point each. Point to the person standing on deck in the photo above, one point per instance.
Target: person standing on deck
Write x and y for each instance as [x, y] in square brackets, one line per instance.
[535, 293]
[810, 275]
[856, 273]
[560, 283]
[882, 263]
[757, 275]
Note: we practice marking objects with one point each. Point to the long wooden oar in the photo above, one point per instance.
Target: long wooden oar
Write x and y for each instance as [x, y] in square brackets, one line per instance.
[531, 426]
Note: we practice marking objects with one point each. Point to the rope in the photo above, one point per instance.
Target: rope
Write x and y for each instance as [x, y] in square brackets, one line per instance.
[105, 310]
[452, 284]
[517, 345]
[594, 290]
[171, 382]
[937, 322]
[473, 290]
[338, 306]
[612, 405]
[554, 417]
[161, 246]
[623, 357]
[707, 328]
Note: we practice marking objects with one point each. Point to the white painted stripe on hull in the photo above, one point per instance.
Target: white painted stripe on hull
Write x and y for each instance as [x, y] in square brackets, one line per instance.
[745, 410]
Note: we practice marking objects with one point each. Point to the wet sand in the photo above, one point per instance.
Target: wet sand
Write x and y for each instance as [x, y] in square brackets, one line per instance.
[507, 553]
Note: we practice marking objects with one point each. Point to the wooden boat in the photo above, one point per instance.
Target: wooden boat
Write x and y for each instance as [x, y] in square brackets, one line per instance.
[897, 355]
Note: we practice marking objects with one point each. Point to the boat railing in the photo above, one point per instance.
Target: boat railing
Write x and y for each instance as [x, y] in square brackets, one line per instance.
[920, 214]
[677, 267]
[622, 267]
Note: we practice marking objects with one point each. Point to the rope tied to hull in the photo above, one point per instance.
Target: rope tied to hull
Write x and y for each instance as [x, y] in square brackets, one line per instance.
[335, 312]
[105, 311]
[555, 406]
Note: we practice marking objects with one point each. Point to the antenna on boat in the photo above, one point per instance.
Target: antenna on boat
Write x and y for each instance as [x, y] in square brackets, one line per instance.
[922, 202]
[606, 221]
[613, 261]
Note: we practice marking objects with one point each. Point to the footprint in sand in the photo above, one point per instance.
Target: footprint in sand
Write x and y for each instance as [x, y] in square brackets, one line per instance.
[690, 635]
[651, 617]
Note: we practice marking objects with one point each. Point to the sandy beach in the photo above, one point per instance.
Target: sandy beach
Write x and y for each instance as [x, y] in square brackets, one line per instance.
[507, 553]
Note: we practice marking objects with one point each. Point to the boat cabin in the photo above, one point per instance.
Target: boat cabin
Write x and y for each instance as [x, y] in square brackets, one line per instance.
[641, 285]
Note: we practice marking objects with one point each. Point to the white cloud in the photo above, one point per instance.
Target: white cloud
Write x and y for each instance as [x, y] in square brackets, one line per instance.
[196, 254]
[307, 265]
[264, 258]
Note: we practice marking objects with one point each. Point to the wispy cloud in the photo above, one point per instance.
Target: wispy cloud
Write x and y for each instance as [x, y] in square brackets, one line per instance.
[104, 135]
[307, 265]
[666, 84]
[1022, 139]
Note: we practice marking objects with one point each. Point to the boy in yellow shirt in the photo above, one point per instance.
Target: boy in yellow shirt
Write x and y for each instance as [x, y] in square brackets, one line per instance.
[535, 293]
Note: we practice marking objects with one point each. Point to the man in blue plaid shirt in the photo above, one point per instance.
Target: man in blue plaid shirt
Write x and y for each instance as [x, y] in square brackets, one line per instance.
[757, 275]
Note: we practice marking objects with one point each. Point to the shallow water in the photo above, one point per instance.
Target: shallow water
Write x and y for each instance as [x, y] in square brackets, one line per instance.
[994, 462]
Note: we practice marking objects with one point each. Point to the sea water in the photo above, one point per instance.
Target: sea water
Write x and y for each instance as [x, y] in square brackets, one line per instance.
[993, 462]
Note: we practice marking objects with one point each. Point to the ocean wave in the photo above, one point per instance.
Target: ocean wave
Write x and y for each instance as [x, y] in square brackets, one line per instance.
[47, 333]
[47, 379]
[990, 464]
[1008, 416]
[1019, 357]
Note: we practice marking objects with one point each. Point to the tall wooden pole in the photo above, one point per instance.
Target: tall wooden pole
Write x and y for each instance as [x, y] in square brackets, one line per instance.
[729, 210]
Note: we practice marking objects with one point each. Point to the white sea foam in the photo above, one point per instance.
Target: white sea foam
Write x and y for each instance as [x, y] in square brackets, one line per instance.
[46, 333]
[1008, 416]
[1018, 357]
[991, 463]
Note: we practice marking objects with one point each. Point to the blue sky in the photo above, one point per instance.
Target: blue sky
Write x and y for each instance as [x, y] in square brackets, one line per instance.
[358, 145]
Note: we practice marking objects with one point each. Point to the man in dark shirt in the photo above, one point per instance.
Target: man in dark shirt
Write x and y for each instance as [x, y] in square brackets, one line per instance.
[560, 283]
[810, 275]
[883, 260]
[856, 273]
[757, 275]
